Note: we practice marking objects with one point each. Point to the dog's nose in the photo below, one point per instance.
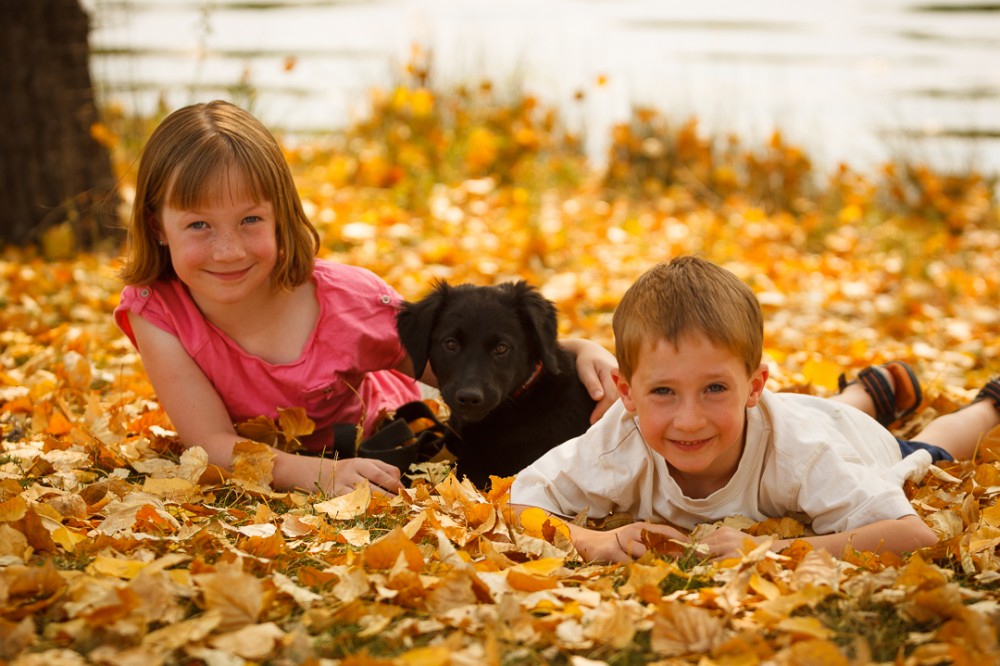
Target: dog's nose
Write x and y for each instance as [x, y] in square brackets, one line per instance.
[469, 397]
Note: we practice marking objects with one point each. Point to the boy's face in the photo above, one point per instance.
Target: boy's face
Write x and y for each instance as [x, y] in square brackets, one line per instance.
[691, 402]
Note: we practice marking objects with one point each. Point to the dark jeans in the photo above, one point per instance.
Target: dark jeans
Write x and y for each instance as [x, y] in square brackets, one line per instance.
[938, 454]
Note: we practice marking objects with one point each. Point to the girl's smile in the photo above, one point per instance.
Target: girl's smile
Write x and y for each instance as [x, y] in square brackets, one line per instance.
[225, 249]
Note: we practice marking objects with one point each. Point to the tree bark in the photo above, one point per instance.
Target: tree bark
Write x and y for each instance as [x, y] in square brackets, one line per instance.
[53, 171]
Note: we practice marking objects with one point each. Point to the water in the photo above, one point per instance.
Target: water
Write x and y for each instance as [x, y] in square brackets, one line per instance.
[855, 81]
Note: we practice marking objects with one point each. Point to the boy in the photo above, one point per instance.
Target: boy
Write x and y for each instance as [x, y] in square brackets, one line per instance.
[696, 437]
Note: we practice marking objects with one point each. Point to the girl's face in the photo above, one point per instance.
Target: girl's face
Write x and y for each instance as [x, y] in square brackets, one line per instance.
[691, 403]
[225, 250]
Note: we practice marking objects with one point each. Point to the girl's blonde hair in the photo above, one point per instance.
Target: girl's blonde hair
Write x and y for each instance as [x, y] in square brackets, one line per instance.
[183, 164]
[687, 295]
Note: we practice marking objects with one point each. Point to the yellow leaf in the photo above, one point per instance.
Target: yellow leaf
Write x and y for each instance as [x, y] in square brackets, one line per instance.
[437, 655]
[114, 567]
[422, 102]
[347, 506]
[543, 566]
[13, 509]
[805, 626]
[67, 538]
[822, 373]
[764, 587]
[538, 523]
[176, 489]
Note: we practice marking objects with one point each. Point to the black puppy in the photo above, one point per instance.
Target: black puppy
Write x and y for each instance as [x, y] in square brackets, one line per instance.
[512, 390]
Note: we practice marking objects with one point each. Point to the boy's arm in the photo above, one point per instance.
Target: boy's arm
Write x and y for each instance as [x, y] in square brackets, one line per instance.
[898, 536]
[618, 545]
[200, 417]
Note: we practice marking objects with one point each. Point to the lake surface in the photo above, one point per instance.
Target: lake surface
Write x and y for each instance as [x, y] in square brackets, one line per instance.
[855, 81]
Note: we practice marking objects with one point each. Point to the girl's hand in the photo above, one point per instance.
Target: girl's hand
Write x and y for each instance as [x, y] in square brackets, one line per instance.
[349, 472]
[621, 544]
[594, 365]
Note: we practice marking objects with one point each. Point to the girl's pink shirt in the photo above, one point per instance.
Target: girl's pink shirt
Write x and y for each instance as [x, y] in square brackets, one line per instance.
[354, 344]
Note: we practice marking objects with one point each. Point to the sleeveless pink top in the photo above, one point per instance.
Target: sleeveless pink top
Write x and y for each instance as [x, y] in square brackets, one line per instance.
[354, 344]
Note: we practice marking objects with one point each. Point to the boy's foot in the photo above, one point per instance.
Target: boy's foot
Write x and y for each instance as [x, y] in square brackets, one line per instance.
[893, 400]
[991, 392]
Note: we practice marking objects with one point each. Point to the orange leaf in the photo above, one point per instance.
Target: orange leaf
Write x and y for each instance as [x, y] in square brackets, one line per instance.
[149, 521]
[58, 424]
[266, 547]
[525, 582]
[383, 553]
[661, 544]
[295, 423]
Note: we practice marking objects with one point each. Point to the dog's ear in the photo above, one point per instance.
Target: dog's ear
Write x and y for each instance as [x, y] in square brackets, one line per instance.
[415, 322]
[540, 314]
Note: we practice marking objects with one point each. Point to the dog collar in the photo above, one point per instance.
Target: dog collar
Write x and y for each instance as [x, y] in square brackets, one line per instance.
[531, 380]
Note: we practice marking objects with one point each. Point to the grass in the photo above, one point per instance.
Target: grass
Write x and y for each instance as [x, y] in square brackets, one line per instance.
[879, 627]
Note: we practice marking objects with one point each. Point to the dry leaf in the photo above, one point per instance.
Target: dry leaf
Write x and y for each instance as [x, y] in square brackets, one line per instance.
[253, 464]
[236, 596]
[679, 629]
[347, 506]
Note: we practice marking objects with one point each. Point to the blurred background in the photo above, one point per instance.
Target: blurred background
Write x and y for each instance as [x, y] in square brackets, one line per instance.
[852, 81]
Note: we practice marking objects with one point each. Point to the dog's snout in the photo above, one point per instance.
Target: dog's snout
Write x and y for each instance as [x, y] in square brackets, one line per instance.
[469, 397]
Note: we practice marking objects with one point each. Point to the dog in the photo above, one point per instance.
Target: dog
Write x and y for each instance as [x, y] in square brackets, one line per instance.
[512, 391]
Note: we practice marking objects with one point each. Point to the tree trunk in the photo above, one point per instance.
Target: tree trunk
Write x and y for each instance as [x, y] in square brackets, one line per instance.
[53, 171]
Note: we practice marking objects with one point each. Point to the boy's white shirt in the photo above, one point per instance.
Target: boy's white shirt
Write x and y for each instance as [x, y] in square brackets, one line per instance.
[803, 455]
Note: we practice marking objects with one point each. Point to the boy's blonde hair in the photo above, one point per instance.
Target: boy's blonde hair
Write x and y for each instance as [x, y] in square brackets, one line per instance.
[688, 295]
[187, 161]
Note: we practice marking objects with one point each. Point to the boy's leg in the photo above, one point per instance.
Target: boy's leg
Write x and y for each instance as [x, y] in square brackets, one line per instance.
[885, 392]
[856, 396]
[960, 432]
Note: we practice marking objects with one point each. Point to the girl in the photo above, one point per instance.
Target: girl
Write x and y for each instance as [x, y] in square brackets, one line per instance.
[234, 317]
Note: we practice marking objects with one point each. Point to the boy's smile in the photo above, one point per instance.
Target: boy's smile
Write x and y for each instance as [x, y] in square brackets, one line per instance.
[691, 403]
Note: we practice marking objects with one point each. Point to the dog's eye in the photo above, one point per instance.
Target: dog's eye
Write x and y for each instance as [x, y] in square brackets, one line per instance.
[501, 348]
[451, 344]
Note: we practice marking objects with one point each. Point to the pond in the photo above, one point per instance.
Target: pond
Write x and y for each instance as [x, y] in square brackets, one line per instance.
[855, 81]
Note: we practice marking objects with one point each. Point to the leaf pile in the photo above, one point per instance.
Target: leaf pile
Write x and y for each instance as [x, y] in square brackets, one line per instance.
[120, 546]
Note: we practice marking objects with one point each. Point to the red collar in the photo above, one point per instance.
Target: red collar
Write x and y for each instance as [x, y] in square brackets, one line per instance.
[531, 380]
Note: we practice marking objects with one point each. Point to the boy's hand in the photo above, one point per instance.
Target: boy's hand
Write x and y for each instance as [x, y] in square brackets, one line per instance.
[621, 544]
[729, 542]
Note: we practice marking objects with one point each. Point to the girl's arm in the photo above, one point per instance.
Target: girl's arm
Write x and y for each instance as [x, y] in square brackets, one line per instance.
[200, 418]
[594, 365]
[898, 536]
